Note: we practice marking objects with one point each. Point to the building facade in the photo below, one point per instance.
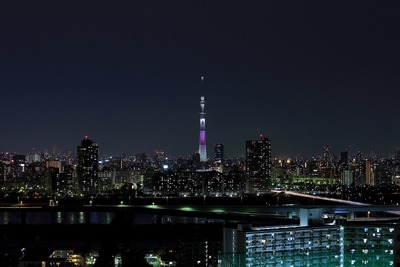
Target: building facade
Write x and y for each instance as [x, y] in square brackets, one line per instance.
[258, 165]
[87, 167]
[219, 153]
[284, 245]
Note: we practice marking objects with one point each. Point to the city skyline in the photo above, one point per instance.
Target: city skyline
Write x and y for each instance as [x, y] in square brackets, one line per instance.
[215, 152]
[127, 75]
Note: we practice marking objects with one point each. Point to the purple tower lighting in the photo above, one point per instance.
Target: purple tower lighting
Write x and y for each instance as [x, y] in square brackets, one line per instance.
[202, 141]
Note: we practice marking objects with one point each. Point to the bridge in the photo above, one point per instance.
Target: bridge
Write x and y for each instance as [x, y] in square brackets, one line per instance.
[218, 212]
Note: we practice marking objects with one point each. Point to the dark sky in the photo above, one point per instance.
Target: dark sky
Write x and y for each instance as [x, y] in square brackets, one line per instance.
[128, 74]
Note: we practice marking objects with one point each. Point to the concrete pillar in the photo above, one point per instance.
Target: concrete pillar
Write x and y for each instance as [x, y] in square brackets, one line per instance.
[310, 217]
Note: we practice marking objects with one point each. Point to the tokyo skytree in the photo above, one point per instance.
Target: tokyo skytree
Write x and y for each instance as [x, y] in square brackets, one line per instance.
[202, 140]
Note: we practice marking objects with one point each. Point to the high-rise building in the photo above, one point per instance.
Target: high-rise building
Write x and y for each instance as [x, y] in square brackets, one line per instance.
[351, 244]
[61, 183]
[347, 177]
[368, 173]
[3, 171]
[87, 167]
[327, 155]
[198, 252]
[282, 245]
[33, 157]
[370, 244]
[202, 140]
[358, 158]
[18, 166]
[258, 165]
[55, 164]
[397, 155]
[344, 157]
[219, 153]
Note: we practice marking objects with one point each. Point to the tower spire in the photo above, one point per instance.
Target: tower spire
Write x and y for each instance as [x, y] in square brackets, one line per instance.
[202, 140]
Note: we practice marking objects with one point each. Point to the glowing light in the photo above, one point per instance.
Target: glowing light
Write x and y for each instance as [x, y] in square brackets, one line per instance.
[218, 210]
[187, 209]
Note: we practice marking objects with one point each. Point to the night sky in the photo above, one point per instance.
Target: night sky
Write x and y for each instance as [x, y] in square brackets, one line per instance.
[128, 75]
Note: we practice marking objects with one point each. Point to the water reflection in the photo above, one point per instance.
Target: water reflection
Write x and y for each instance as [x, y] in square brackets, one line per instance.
[94, 218]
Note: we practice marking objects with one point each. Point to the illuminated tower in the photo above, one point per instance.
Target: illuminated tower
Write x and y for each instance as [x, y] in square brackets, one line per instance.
[202, 141]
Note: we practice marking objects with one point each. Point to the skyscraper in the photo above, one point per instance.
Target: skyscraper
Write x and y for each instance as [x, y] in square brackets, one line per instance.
[368, 173]
[87, 168]
[258, 165]
[202, 141]
[397, 155]
[219, 153]
[344, 157]
[327, 155]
